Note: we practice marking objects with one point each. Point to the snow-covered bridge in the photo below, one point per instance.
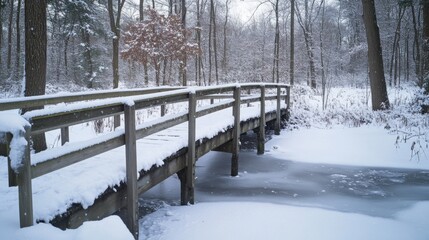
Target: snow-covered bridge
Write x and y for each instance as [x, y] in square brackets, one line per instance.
[87, 178]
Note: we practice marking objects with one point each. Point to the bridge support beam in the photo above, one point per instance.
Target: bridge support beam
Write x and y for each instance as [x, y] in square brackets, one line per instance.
[262, 122]
[131, 170]
[236, 132]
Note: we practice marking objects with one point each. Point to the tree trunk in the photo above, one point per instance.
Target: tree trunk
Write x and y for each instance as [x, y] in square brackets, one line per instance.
[395, 47]
[141, 8]
[9, 35]
[35, 56]
[375, 58]
[214, 40]
[426, 46]
[225, 49]
[322, 63]
[417, 57]
[18, 42]
[275, 77]
[184, 61]
[1, 35]
[292, 43]
[210, 45]
[115, 28]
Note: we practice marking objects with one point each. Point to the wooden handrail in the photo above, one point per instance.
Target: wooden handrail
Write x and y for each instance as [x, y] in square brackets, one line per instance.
[127, 103]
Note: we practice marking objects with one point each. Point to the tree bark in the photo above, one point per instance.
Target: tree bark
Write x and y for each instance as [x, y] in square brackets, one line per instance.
[9, 35]
[1, 34]
[225, 48]
[141, 8]
[213, 19]
[18, 41]
[115, 28]
[417, 57]
[292, 43]
[35, 56]
[426, 46]
[275, 76]
[375, 58]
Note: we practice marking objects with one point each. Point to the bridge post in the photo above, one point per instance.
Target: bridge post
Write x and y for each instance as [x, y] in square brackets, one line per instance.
[278, 115]
[236, 131]
[188, 181]
[163, 110]
[261, 133]
[131, 169]
[65, 136]
[287, 100]
[25, 192]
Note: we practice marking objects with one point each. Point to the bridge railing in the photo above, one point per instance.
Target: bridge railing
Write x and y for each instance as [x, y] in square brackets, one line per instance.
[124, 102]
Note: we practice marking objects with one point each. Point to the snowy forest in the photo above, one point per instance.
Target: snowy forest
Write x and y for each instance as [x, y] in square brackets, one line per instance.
[282, 119]
[94, 44]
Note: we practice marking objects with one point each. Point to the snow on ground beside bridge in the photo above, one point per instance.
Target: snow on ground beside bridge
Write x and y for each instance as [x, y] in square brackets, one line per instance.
[370, 146]
[246, 220]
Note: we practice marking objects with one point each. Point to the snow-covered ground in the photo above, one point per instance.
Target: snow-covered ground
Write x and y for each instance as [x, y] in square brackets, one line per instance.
[283, 195]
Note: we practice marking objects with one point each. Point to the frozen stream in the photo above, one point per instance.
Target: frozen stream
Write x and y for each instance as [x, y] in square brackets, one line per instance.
[372, 191]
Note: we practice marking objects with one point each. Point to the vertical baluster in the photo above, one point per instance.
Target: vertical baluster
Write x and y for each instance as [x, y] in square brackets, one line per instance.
[261, 134]
[131, 169]
[237, 131]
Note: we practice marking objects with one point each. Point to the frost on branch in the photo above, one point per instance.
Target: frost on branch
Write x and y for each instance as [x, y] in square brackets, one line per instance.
[156, 39]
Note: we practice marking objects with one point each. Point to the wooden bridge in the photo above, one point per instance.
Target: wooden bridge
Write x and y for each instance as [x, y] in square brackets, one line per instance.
[214, 119]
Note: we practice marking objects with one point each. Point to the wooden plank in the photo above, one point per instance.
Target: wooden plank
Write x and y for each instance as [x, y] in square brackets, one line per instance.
[131, 169]
[76, 156]
[159, 100]
[58, 120]
[169, 122]
[236, 132]
[37, 101]
[65, 136]
[25, 192]
[214, 108]
[214, 90]
[261, 133]
[250, 99]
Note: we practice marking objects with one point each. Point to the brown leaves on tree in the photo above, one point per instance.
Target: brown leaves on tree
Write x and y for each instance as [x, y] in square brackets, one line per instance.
[155, 39]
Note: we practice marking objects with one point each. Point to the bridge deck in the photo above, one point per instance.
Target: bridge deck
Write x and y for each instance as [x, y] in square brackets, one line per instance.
[82, 183]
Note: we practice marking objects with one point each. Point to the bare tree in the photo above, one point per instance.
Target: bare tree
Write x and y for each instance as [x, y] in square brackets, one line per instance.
[116, 31]
[311, 12]
[9, 35]
[18, 40]
[426, 45]
[292, 42]
[379, 96]
[214, 38]
[224, 62]
[276, 56]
